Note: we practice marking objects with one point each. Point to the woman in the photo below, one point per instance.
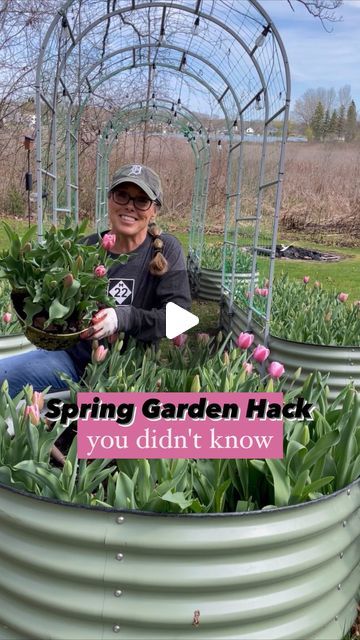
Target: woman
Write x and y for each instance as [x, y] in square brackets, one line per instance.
[154, 275]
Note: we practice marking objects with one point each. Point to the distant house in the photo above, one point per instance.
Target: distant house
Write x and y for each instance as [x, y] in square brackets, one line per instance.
[249, 130]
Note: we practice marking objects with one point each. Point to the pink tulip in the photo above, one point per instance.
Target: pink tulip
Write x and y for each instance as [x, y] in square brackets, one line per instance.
[258, 291]
[306, 279]
[100, 271]
[248, 367]
[6, 318]
[68, 280]
[264, 292]
[203, 338]
[99, 354]
[38, 399]
[260, 353]
[276, 369]
[244, 340]
[108, 242]
[342, 297]
[317, 284]
[33, 411]
[180, 340]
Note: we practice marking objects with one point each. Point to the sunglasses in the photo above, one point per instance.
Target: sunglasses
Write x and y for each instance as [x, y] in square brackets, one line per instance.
[142, 203]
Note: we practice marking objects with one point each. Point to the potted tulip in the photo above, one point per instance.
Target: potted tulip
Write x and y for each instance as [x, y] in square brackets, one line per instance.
[56, 285]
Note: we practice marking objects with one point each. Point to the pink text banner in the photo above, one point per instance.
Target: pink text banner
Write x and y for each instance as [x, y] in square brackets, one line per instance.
[180, 425]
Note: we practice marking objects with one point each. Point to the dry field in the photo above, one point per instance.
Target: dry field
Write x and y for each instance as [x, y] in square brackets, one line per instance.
[321, 186]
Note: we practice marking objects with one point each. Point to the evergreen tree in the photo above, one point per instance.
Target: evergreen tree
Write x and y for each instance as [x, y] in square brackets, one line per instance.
[317, 121]
[340, 129]
[351, 122]
[333, 124]
[326, 124]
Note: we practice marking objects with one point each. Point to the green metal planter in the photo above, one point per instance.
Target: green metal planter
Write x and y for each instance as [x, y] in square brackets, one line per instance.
[81, 573]
[342, 363]
[207, 283]
[12, 345]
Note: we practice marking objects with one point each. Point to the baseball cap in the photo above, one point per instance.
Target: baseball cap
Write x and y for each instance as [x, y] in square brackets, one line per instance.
[142, 176]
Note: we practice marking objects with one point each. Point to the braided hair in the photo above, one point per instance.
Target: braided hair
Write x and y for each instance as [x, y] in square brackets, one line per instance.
[158, 265]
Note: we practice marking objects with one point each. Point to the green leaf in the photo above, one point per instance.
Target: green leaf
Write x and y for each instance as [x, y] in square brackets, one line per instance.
[281, 482]
[57, 311]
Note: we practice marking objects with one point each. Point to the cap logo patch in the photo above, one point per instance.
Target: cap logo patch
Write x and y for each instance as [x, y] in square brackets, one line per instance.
[135, 170]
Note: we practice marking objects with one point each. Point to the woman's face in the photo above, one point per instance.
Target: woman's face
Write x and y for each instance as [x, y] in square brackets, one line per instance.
[127, 219]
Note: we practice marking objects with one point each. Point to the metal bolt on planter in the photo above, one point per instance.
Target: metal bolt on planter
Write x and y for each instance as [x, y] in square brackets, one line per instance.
[117, 593]
[116, 628]
[120, 519]
[119, 556]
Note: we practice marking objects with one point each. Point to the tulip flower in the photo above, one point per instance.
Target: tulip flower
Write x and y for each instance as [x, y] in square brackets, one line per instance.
[248, 367]
[317, 284]
[306, 279]
[203, 338]
[68, 280]
[6, 318]
[33, 412]
[99, 354]
[100, 271]
[342, 297]
[258, 291]
[260, 353]
[264, 292]
[38, 399]
[108, 242]
[276, 369]
[244, 340]
[180, 340]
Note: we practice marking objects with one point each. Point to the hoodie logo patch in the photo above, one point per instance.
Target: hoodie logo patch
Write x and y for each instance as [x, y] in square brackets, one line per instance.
[122, 290]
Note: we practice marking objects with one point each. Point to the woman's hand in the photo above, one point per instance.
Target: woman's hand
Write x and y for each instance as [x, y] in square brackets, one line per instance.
[105, 323]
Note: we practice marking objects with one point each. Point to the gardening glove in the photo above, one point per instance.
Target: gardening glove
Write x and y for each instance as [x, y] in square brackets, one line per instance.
[105, 323]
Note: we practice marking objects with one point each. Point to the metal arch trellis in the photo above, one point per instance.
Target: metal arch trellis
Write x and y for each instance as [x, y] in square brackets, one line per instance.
[179, 118]
[229, 48]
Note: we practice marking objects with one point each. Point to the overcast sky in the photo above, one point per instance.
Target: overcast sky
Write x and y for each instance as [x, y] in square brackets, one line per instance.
[318, 58]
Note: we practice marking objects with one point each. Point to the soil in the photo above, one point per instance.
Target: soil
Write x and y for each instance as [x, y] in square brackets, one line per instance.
[300, 253]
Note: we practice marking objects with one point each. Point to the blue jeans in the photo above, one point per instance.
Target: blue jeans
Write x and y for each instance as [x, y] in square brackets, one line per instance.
[39, 368]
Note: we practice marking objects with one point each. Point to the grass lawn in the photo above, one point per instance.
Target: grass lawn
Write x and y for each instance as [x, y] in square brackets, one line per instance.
[341, 276]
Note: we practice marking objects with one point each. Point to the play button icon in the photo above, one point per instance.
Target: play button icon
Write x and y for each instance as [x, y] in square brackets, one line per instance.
[178, 320]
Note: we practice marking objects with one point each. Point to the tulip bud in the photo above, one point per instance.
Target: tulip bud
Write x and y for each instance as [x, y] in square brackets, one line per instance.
[260, 353]
[5, 387]
[118, 345]
[306, 279]
[53, 284]
[276, 369]
[196, 385]
[244, 340]
[98, 355]
[33, 412]
[248, 367]
[342, 297]
[219, 338]
[108, 242]
[158, 384]
[67, 244]
[226, 358]
[26, 248]
[100, 271]
[68, 280]
[38, 399]
[79, 262]
[6, 318]
[68, 469]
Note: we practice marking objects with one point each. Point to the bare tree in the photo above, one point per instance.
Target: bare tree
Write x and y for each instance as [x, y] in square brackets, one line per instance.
[325, 10]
